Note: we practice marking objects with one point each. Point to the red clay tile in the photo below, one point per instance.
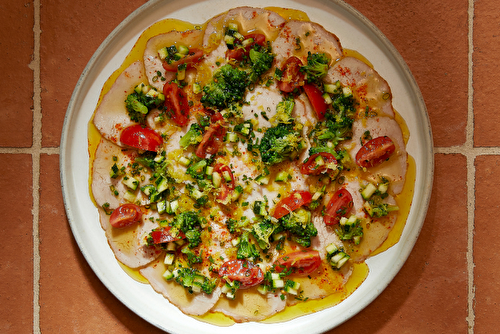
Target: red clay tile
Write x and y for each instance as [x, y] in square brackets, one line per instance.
[429, 294]
[16, 253]
[486, 58]
[16, 78]
[486, 244]
[72, 299]
[432, 38]
[71, 33]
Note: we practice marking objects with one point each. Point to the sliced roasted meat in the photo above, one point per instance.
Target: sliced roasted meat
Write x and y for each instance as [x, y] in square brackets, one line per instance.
[111, 116]
[297, 38]
[129, 243]
[367, 85]
[153, 64]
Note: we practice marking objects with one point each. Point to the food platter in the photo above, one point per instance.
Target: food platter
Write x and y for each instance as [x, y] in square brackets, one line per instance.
[356, 33]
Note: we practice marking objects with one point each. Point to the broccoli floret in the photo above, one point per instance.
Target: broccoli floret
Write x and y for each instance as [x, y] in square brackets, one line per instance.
[194, 281]
[284, 112]
[262, 232]
[246, 249]
[261, 61]
[350, 229]
[300, 226]
[142, 101]
[316, 68]
[228, 85]
[197, 169]
[191, 256]
[192, 137]
[280, 143]
[189, 222]
[237, 226]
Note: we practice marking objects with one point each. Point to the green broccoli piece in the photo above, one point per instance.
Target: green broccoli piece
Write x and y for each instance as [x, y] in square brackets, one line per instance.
[300, 226]
[189, 222]
[192, 137]
[228, 86]
[263, 231]
[280, 143]
[261, 61]
[316, 67]
[237, 226]
[142, 101]
[197, 169]
[192, 257]
[246, 249]
[200, 197]
[284, 112]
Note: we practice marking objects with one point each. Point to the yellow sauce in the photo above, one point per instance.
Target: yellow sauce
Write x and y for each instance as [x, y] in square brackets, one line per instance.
[360, 270]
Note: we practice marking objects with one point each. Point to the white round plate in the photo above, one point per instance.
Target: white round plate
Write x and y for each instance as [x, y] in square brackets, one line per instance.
[355, 32]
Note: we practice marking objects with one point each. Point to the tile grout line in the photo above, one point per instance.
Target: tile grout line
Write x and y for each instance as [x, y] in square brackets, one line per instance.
[471, 173]
[36, 151]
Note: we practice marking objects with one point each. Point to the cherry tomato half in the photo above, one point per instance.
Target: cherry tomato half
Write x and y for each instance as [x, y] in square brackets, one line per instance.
[317, 101]
[291, 203]
[194, 56]
[291, 77]
[176, 104]
[211, 141]
[240, 52]
[163, 234]
[247, 273]
[301, 263]
[312, 167]
[375, 152]
[339, 206]
[125, 215]
[141, 137]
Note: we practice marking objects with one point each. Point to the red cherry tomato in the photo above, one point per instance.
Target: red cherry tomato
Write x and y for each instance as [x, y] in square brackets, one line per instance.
[194, 56]
[317, 101]
[125, 215]
[339, 206]
[294, 201]
[239, 52]
[311, 166]
[375, 152]
[291, 77]
[163, 234]
[247, 273]
[211, 141]
[176, 104]
[301, 263]
[141, 137]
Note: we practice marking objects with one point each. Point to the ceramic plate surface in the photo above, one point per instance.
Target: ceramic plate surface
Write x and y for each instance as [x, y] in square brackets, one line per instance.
[355, 32]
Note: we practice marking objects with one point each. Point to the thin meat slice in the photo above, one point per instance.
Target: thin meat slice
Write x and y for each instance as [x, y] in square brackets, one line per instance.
[368, 87]
[111, 116]
[108, 190]
[191, 304]
[395, 167]
[250, 305]
[129, 243]
[249, 20]
[297, 38]
[375, 230]
[153, 63]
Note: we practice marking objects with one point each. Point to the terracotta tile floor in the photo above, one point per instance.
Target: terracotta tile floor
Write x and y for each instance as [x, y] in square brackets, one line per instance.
[449, 283]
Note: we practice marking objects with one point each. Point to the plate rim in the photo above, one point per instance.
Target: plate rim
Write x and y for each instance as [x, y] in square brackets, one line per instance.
[428, 165]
